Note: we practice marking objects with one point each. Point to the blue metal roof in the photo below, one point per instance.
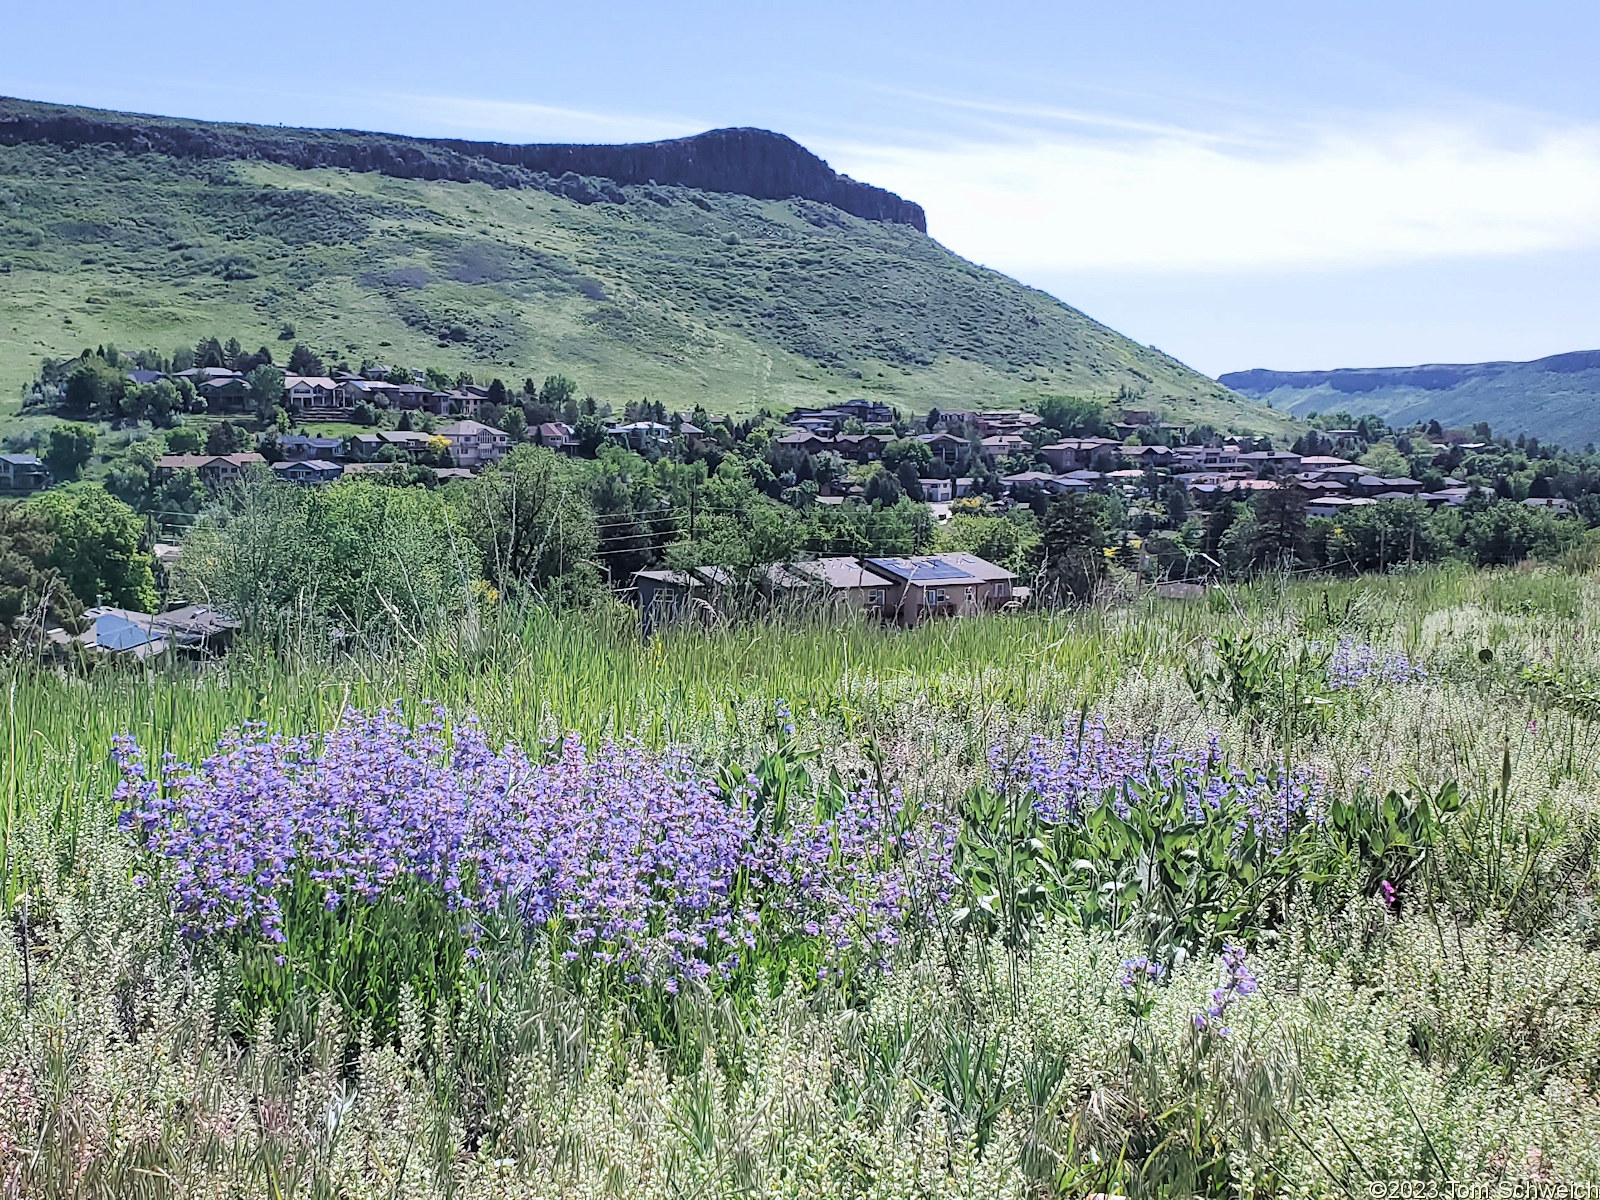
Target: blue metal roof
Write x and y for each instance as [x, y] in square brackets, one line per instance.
[119, 631]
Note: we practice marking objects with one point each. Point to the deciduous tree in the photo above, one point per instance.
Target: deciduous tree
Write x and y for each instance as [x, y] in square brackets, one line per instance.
[95, 546]
[32, 593]
[266, 390]
[1073, 416]
[69, 446]
[534, 523]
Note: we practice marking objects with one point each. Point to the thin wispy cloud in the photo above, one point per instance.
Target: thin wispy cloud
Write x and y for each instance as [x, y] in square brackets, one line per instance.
[522, 121]
[1041, 115]
[1355, 194]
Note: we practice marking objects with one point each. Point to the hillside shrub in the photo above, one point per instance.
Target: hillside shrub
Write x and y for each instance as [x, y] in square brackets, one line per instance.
[353, 559]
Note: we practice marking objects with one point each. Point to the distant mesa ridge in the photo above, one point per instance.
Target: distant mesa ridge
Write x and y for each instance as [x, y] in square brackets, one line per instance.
[750, 162]
[1432, 377]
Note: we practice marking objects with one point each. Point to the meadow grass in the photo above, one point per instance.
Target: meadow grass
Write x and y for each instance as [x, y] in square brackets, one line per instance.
[590, 673]
[1446, 1035]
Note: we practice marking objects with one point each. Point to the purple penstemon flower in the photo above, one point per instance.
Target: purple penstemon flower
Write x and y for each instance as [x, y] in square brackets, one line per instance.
[621, 856]
[784, 717]
[1140, 970]
[1352, 664]
[1087, 767]
[1237, 984]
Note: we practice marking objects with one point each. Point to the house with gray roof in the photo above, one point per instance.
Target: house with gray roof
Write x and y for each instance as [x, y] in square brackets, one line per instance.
[927, 586]
[905, 591]
[474, 444]
[305, 445]
[194, 630]
[307, 471]
[23, 473]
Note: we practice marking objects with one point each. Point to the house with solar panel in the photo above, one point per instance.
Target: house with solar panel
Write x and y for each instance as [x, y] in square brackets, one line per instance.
[897, 591]
[929, 586]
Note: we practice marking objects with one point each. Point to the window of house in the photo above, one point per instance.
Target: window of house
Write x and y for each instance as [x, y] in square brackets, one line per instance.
[938, 596]
[874, 597]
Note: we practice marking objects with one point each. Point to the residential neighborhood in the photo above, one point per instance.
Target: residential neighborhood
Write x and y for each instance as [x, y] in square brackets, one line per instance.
[855, 508]
[1205, 471]
[415, 418]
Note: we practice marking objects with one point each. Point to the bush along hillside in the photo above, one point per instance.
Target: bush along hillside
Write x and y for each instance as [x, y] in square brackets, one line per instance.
[693, 296]
[1285, 892]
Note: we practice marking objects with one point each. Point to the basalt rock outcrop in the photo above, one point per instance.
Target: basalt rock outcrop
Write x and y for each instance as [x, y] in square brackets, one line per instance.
[750, 162]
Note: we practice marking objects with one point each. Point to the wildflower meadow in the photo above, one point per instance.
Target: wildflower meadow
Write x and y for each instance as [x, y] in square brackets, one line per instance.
[1289, 890]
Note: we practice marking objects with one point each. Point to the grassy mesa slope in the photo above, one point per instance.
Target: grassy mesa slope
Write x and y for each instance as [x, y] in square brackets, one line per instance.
[1555, 398]
[639, 290]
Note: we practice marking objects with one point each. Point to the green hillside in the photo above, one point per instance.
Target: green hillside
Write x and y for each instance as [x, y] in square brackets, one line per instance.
[680, 295]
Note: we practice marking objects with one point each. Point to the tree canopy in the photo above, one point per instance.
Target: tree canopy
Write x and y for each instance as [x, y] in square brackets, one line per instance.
[95, 546]
[302, 361]
[1073, 416]
[68, 447]
[33, 594]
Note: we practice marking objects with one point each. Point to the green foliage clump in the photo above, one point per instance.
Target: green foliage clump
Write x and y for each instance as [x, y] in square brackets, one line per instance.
[1009, 541]
[33, 594]
[94, 388]
[1180, 855]
[96, 547]
[1073, 539]
[355, 557]
[68, 447]
[533, 525]
[266, 390]
[303, 361]
[1074, 416]
[1270, 684]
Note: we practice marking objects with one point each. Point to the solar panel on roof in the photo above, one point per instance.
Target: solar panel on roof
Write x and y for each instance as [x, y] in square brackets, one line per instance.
[116, 632]
[936, 570]
[898, 566]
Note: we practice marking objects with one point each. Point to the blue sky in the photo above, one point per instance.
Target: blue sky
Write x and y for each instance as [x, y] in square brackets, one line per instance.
[1288, 185]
